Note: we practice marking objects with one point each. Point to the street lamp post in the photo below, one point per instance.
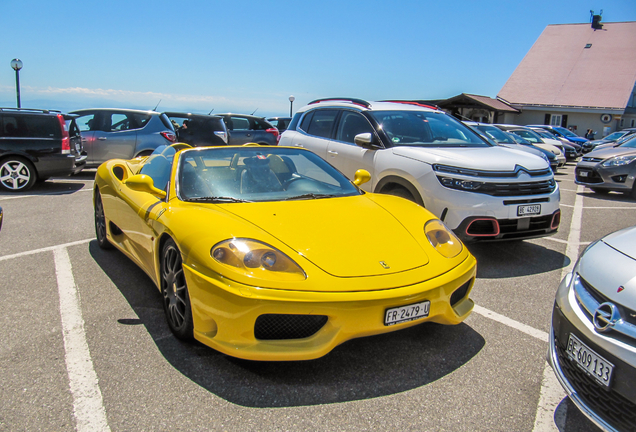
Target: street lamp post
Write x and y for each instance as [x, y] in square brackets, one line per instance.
[16, 65]
[291, 104]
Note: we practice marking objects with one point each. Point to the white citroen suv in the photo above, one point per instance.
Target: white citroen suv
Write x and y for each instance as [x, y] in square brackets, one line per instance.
[479, 189]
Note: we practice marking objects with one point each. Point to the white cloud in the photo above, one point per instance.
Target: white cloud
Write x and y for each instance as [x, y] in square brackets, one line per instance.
[272, 104]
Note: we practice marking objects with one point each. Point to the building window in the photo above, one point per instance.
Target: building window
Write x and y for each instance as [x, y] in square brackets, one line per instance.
[555, 120]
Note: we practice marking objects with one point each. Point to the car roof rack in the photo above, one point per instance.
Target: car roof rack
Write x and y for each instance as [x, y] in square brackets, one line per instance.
[44, 111]
[355, 101]
[435, 107]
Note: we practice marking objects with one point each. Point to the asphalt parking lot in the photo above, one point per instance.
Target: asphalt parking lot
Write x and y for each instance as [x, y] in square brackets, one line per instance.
[112, 364]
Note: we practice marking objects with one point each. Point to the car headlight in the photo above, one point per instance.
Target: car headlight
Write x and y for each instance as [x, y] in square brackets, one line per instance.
[459, 184]
[442, 239]
[618, 161]
[256, 259]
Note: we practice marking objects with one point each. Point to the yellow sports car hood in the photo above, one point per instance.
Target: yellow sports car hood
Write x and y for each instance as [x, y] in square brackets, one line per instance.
[345, 237]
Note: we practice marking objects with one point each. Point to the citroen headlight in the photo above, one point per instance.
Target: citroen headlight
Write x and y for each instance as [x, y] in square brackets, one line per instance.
[442, 239]
[618, 161]
[256, 259]
[459, 184]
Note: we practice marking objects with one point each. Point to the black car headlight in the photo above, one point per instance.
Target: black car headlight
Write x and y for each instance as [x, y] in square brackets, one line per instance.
[256, 259]
[460, 184]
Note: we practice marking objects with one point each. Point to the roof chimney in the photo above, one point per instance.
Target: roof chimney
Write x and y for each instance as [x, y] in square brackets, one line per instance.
[596, 20]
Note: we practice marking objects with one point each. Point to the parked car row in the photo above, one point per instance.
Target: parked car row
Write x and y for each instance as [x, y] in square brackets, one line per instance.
[38, 144]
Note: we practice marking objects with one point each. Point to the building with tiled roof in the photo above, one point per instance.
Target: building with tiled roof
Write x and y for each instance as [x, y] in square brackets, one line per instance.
[577, 76]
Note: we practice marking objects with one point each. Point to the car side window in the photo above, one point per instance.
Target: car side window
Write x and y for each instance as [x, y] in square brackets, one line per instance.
[86, 123]
[239, 123]
[350, 125]
[159, 166]
[119, 122]
[322, 123]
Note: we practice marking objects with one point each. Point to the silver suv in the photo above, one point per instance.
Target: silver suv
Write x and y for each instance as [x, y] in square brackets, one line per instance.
[122, 133]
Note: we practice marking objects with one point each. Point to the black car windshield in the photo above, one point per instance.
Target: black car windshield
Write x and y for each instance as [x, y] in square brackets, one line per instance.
[426, 129]
[248, 174]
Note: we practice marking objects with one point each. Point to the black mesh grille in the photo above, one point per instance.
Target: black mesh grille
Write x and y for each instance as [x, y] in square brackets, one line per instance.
[278, 326]
[518, 189]
[611, 406]
[459, 293]
[592, 177]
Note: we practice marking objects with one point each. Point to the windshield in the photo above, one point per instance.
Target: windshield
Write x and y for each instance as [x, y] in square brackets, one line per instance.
[630, 142]
[566, 132]
[544, 134]
[496, 134]
[247, 174]
[614, 136]
[529, 135]
[426, 129]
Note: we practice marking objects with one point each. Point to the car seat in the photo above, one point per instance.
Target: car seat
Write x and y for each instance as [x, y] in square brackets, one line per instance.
[258, 176]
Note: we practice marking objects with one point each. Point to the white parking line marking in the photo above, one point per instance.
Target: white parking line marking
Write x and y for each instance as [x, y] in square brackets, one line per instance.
[46, 249]
[88, 189]
[551, 391]
[88, 406]
[585, 243]
[541, 335]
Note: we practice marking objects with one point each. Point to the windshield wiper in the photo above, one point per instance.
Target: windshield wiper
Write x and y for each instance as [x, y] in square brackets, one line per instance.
[220, 199]
[310, 195]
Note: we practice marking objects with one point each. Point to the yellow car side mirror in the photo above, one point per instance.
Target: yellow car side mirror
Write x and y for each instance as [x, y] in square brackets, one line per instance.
[144, 183]
[361, 177]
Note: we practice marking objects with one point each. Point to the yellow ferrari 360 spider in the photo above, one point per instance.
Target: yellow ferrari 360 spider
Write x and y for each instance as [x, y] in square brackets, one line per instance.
[270, 253]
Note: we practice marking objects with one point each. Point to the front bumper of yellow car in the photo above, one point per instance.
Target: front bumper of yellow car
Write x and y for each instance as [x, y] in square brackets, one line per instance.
[226, 313]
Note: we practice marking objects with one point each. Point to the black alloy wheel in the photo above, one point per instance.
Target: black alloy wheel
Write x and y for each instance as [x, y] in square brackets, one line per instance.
[176, 300]
[100, 223]
[17, 174]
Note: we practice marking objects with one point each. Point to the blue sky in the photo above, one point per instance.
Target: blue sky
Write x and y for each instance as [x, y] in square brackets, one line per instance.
[243, 56]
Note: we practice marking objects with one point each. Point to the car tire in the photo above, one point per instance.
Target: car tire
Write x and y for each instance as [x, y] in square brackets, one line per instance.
[100, 223]
[17, 174]
[633, 192]
[401, 192]
[176, 298]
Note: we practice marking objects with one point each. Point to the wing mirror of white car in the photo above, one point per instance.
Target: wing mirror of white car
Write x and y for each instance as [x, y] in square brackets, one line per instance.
[144, 183]
[361, 177]
[365, 140]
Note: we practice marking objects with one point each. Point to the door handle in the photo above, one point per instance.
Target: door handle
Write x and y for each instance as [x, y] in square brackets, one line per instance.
[331, 152]
[248, 134]
[102, 138]
[298, 145]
